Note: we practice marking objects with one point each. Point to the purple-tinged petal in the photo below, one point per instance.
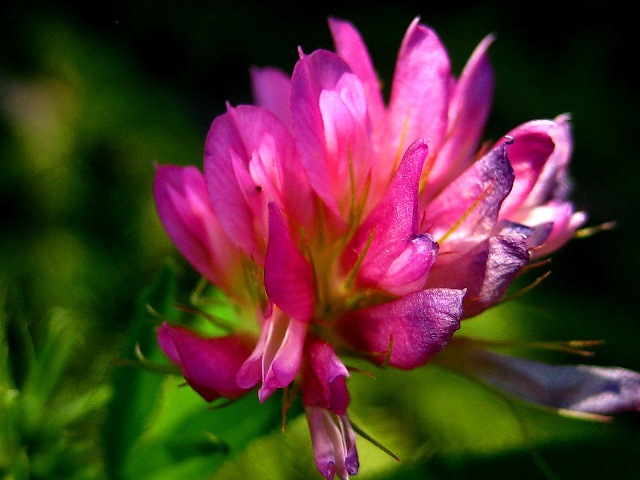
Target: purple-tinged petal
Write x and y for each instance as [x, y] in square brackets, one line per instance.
[396, 258]
[351, 48]
[404, 333]
[419, 95]
[187, 216]
[469, 107]
[324, 378]
[277, 357]
[331, 127]
[468, 208]
[209, 365]
[486, 270]
[288, 277]
[271, 91]
[334, 443]
[572, 388]
[250, 160]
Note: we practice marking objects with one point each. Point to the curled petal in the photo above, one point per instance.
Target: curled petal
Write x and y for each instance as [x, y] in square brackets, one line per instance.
[277, 357]
[324, 378]
[405, 333]
[209, 365]
[187, 215]
[396, 258]
[334, 443]
[288, 278]
[573, 388]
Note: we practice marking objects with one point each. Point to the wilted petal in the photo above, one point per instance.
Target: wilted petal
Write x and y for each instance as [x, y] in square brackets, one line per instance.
[469, 108]
[272, 91]
[578, 388]
[405, 333]
[288, 278]
[277, 357]
[187, 216]
[468, 208]
[209, 365]
[324, 378]
[396, 258]
[334, 443]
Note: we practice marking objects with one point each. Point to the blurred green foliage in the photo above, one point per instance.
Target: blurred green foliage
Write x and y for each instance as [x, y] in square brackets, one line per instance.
[93, 95]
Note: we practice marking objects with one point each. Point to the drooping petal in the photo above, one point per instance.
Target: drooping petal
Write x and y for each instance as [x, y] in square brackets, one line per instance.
[188, 218]
[467, 209]
[250, 160]
[574, 388]
[288, 277]
[209, 365]
[277, 357]
[272, 90]
[469, 107]
[324, 378]
[396, 258]
[351, 48]
[404, 333]
[331, 127]
[419, 101]
[334, 443]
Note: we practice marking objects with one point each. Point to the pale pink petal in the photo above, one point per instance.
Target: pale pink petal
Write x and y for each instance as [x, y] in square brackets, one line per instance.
[404, 333]
[288, 277]
[350, 46]
[419, 102]
[334, 443]
[396, 258]
[272, 90]
[324, 378]
[469, 107]
[209, 365]
[187, 215]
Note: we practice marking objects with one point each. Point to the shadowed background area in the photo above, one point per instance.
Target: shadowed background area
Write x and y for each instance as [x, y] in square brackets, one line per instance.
[93, 95]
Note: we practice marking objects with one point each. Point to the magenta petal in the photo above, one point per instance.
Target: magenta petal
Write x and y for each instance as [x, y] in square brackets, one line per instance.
[288, 277]
[397, 259]
[187, 216]
[469, 206]
[419, 102]
[324, 378]
[272, 90]
[405, 333]
[209, 365]
[579, 388]
[334, 443]
[469, 108]
[350, 46]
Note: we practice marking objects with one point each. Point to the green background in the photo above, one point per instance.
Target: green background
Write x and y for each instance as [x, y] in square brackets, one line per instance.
[93, 95]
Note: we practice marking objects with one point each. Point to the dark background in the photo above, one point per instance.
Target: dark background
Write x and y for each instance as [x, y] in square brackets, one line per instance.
[92, 95]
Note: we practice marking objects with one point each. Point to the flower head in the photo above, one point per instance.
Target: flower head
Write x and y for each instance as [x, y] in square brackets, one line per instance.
[343, 226]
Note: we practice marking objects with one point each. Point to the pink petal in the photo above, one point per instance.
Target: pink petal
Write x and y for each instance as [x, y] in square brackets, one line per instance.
[334, 443]
[187, 216]
[277, 357]
[288, 277]
[469, 107]
[468, 208]
[351, 48]
[405, 333]
[397, 259]
[272, 91]
[419, 102]
[330, 123]
[324, 378]
[209, 365]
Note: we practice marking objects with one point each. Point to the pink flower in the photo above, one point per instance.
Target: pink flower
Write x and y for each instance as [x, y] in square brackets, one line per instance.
[342, 226]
